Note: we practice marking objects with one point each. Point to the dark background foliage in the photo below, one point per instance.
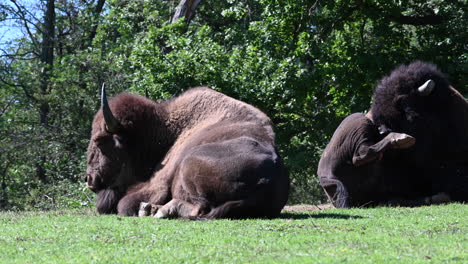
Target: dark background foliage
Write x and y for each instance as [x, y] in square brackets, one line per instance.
[307, 64]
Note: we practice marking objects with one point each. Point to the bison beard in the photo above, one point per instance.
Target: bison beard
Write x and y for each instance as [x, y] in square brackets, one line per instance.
[106, 201]
[202, 154]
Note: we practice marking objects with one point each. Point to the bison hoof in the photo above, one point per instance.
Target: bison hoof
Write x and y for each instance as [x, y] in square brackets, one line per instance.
[145, 209]
[402, 141]
[161, 214]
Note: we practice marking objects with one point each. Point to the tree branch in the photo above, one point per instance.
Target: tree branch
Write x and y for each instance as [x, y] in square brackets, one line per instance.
[22, 16]
[418, 20]
[97, 13]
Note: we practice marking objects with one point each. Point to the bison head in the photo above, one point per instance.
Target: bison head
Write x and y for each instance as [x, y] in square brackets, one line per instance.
[414, 100]
[126, 146]
[107, 156]
[108, 170]
[105, 161]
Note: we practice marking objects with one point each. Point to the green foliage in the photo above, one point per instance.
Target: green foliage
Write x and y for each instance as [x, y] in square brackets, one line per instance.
[307, 64]
[433, 234]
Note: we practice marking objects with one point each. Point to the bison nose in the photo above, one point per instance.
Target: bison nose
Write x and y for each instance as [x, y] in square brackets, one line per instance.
[89, 183]
[89, 180]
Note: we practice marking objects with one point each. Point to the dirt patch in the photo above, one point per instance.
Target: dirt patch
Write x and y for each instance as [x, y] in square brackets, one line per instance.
[307, 207]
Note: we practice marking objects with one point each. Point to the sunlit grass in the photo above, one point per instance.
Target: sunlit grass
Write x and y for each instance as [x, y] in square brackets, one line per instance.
[436, 234]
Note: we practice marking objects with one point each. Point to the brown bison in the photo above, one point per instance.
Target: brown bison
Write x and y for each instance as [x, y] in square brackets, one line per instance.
[411, 149]
[359, 167]
[200, 155]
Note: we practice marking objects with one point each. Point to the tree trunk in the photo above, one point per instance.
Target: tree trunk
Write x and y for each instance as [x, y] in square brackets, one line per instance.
[47, 60]
[4, 193]
[185, 9]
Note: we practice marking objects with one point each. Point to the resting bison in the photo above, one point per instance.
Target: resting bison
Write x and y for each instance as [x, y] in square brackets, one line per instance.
[353, 169]
[411, 149]
[202, 154]
[417, 99]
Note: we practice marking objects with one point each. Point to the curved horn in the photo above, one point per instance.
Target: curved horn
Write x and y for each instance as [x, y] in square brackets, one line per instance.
[112, 125]
[426, 88]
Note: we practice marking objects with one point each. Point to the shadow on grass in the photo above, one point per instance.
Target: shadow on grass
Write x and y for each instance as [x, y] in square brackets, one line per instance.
[298, 216]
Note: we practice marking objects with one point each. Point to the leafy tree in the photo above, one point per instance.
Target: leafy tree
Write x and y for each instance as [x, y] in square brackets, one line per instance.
[307, 64]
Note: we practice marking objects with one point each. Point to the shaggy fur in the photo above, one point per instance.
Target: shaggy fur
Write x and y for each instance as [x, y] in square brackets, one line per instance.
[202, 154]
[438, 121]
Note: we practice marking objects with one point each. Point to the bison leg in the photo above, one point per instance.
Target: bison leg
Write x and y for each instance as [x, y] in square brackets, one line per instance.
[129, 205]
[366, 154]
[179, 208]
[400, 140]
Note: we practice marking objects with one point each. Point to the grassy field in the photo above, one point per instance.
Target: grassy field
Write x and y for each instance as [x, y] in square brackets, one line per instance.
[436, 234]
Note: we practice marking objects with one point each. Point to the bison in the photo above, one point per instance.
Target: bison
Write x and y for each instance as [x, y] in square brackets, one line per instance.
[418, 100]
[199, 155]
[356, 166]
[410, 149]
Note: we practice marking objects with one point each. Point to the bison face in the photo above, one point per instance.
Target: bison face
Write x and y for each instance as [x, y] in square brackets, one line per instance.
[414, 99]
[107, 151]
[106, 161]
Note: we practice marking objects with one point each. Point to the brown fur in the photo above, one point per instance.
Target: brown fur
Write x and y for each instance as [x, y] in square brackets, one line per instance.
[197, 155]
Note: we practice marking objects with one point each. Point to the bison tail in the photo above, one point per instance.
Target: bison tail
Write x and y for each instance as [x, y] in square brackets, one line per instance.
[336, 191]
[342, 200]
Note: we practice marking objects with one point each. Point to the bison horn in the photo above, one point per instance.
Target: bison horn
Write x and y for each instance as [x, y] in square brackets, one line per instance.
[426, 88]
[112, 125]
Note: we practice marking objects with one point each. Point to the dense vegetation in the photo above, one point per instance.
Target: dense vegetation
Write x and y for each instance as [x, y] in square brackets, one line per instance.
[432, 234]
[307, 64]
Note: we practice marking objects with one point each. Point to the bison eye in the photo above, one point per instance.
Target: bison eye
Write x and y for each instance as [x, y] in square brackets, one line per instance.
[101, 140]
[411, 115]
[119, 141]
[384, 130]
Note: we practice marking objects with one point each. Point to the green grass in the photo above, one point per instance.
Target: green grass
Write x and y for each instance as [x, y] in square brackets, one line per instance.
[436, 234]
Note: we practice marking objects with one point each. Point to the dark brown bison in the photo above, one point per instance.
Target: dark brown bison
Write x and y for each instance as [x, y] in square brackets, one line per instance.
[356, 166]
[202, 154]
[417, 99]
[411, 149]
